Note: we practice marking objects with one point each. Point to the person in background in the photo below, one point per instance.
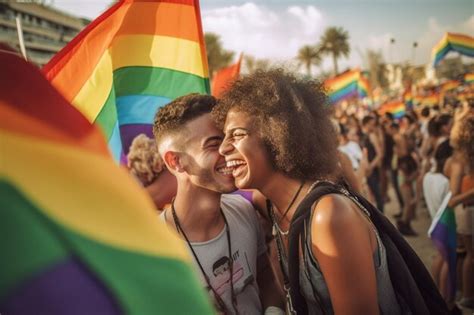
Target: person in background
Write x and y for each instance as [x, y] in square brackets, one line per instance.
[462, 187]
[145, 163]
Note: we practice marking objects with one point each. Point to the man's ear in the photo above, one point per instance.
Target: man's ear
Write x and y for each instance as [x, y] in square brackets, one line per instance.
[172, 160]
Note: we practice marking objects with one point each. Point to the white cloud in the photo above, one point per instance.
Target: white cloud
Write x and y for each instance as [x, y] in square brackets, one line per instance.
[264, 32]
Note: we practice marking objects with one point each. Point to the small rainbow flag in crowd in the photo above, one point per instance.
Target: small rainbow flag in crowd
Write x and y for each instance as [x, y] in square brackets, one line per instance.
[449, 85]
[408, 99]
[136, 57]
[79, 236]
[469, 78]
[460, 43]
[431, 99]
[396, 108]
[349, 84]
[443, 233]
[224, 78]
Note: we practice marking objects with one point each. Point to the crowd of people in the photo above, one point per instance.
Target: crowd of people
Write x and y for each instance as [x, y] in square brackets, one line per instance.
[280, 197]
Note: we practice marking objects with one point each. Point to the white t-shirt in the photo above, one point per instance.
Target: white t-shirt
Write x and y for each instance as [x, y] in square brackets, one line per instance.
[247, 243]
[354, 152]
[435, 189]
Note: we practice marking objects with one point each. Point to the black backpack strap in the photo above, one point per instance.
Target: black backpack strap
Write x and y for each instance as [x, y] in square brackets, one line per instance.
[296, 236]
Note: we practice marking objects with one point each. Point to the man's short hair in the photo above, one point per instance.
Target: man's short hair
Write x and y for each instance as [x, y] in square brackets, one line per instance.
[367, 119]
[173, 116]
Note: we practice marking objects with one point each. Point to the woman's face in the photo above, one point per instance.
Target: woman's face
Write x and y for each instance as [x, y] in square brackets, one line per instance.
[245, 151]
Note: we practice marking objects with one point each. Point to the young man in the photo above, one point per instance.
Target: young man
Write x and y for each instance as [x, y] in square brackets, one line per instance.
[407, 172]
[374, 155]
[222, 231]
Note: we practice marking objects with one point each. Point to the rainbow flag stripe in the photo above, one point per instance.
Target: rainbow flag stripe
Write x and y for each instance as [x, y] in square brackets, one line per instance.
[396, 108]
[443, 233]
[449, 85]
[79, 235]
[469, 78]
[136, 57]
[349, 84]
[460, 43]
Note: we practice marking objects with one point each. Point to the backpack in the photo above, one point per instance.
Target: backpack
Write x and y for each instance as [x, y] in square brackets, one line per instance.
[412, 283]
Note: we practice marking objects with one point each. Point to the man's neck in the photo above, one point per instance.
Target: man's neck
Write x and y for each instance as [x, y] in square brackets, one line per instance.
[198, 212]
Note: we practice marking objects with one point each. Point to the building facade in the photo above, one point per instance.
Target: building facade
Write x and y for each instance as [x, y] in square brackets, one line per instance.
[45, 29]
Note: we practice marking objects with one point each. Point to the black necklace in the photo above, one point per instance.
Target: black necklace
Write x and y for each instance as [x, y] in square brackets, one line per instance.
[220, 302]
[276, 225]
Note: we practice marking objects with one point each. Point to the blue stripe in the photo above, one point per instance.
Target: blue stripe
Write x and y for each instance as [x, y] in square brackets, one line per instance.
[139, 109]
[115, 143]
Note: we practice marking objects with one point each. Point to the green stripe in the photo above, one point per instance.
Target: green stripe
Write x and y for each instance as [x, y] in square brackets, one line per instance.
[27, 244]
[158, 82]
[107, 117]
[141, 284]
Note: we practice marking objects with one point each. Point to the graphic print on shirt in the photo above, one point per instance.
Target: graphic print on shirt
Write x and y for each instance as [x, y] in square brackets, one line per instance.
[242, 275]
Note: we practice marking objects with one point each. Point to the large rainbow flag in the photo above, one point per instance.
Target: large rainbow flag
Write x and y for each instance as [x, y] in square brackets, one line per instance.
[79, 236]
[349, 84]
[136, 57]
[460, 43]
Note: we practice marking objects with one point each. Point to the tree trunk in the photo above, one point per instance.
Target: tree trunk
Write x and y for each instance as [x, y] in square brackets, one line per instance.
[308, 69]
[334, 59]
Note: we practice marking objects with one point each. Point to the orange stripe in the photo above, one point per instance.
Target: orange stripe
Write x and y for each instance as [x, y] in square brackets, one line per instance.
[14, 121]
[168, 19]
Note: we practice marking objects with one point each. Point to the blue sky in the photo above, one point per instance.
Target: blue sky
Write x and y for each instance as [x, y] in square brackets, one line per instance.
[276, 29]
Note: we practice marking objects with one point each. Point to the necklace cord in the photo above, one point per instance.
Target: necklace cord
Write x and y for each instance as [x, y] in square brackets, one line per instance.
[231, 262]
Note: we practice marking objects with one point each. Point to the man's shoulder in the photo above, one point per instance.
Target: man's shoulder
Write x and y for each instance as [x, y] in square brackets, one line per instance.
[239, 207]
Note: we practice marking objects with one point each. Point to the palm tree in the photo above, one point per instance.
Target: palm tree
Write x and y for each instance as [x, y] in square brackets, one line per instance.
[335, 42]
[217, 56]
[308, 56]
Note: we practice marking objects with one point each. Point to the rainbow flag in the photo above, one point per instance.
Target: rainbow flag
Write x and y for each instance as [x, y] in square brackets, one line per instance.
[349, 84]
[79, 236]
[396, 108]
[460, 43]
[443, 233]
[136, 57]
[469, 78]
[224, 77]
[449, 85]
[430, 99]
[408, 99]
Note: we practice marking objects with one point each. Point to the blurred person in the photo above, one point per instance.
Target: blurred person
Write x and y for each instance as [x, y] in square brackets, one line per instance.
[437, 193]
[273, 122]
[145, 163]
[392, 129]
[221, 230]
[461, 171]
[370, 142]
[407, 172]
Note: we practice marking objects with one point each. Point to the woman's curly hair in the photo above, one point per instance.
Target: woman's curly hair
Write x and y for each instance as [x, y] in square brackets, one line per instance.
[292, 116]
[463, 136]
[144, 161]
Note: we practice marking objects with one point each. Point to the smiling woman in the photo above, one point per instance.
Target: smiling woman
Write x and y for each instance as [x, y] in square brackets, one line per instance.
[280, 141]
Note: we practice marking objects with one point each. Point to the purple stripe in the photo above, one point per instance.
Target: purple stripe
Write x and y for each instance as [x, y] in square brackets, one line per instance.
[248, 195]
[129, 132]
[66, 288]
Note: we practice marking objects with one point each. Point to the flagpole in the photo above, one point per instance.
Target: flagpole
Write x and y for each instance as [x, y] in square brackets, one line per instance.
[20, 37]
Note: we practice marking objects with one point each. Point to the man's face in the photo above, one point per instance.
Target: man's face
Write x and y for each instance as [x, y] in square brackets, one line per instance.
[200, 158]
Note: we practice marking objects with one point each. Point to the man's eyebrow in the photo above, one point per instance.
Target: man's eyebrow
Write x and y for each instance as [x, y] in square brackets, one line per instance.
[213, 138]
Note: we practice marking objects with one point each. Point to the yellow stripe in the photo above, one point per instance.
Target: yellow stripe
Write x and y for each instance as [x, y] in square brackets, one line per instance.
[342, 83]
[93, 94]
[88, 194]
[158, 51]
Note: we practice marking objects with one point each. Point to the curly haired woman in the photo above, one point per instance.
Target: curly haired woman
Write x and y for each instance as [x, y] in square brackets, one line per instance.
[279, 140]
